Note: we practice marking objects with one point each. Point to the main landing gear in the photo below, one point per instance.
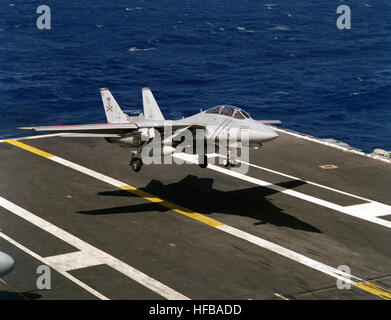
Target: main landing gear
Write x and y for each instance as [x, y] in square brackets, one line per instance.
[136, 163]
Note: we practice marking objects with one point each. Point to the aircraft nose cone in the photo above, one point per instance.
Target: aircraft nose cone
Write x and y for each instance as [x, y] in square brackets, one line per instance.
[6, 263]
[263, 135]
[270, 135]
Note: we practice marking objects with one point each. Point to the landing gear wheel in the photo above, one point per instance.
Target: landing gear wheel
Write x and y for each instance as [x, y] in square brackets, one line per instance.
[226, 163]
[136, 164]
[205, 162]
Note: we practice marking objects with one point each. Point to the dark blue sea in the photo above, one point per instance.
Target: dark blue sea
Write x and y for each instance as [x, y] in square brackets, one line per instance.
[277, 59]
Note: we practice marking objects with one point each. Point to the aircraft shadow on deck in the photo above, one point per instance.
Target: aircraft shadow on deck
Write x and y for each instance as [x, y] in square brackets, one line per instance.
[199, 196]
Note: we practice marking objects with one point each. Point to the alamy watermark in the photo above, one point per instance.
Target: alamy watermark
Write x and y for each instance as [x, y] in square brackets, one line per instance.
[232, 144]
[344, 20]
[44, 281]
[344, 282]
[44, 20]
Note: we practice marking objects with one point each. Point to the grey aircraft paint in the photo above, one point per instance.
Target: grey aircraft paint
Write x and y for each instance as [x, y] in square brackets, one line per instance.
[219, 123]
[6, 264]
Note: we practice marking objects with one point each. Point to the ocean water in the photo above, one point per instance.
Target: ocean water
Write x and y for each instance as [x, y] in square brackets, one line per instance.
[277, 59]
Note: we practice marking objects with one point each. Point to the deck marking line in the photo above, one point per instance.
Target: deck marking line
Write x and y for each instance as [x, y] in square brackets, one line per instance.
[296, 178]
[233, 231]
[375, 289]
[138, 192]
[335, 273]
[372, 208]
[93, 253]
[173, 206]
[73, 261]
[65, 274]
[28, 148]
[357, 282]
[280, 296]
[355, 212]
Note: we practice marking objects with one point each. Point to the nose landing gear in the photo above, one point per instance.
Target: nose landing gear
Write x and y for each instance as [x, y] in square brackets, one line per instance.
[229, 162]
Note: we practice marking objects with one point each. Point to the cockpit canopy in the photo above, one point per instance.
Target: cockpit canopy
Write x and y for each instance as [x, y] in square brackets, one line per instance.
[229, 111]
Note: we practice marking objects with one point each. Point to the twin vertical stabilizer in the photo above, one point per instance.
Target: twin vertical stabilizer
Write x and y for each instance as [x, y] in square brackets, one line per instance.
[114, 114]
[151, 108]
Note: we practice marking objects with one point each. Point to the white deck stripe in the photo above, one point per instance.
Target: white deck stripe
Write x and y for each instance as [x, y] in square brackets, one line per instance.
[281, 297]
[350, 210]
[292, 255]
[73, 261]
[89, 172]
[296, 178]
[93, 253]
[372, 208]
[65, 274]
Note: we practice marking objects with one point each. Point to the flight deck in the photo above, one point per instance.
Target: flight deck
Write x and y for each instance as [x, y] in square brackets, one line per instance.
[307, 221]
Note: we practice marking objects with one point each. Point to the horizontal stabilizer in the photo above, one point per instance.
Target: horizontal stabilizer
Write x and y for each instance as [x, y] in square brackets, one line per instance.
[89, 135]
[270, 121]
[114, 128]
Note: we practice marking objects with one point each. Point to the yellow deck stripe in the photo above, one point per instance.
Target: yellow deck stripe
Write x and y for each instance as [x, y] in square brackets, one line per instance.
[374, 289]
[366, 286]
[28, 148]
[173, 206]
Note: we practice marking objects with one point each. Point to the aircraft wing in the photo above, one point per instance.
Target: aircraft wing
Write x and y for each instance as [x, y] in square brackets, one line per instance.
[106, 129]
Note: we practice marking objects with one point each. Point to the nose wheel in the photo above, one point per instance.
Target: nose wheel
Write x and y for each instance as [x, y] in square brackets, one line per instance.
[136, 164]
[227, 163]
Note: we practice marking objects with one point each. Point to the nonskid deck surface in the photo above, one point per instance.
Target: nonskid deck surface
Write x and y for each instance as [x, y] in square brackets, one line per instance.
[287, 229]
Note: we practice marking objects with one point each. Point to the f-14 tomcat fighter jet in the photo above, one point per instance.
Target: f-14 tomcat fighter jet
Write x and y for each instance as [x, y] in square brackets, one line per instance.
[217, 123]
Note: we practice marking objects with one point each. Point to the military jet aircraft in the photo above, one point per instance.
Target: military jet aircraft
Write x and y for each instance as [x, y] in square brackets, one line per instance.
[6, 264]
[218, 124]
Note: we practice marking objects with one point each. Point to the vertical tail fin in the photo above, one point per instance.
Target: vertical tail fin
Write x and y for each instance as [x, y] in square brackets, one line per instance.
[114, 113]
[151, 108]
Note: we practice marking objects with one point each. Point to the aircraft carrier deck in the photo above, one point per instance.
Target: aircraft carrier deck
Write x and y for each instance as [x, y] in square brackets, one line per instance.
[284, 230]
